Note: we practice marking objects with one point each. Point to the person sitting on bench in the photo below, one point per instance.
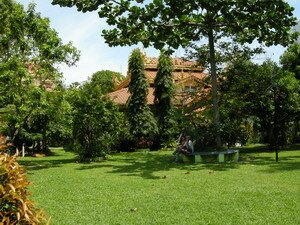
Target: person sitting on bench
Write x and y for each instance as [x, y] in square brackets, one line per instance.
[190, 144]
[185, 147]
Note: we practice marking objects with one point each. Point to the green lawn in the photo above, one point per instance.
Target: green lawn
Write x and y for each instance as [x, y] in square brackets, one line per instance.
[147, 188]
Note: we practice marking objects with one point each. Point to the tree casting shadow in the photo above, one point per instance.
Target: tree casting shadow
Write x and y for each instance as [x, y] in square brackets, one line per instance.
[146, 165]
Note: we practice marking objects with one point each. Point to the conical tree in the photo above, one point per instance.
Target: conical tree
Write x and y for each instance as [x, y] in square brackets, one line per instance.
[140, 117]
[164, 90]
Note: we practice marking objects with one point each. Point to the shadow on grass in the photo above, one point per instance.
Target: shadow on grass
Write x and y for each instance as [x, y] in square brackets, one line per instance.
[45, 164]
[146, 165]
[56, 158]
[285, 163]
[260, 148]
[282, 166]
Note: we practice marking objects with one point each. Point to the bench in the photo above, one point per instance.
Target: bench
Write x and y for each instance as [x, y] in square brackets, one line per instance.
[197, 157]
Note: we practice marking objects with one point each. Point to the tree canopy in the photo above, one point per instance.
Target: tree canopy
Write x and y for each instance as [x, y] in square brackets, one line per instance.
[105, 79]
[30, 50]
[175, 23]
[266, 95]
[290, 59]
[97, 122]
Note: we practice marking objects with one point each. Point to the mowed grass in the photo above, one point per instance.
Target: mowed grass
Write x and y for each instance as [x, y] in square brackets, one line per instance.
[148, 188]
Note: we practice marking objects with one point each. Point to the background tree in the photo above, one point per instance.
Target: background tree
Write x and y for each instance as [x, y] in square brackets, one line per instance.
[106, 79]
[266, 95]
[50, 122]
[97, 123]
[29, 51]
[163, 94]
[227, 52]
[234, 127]
[290, 60]
[178, 23]
[140, 117]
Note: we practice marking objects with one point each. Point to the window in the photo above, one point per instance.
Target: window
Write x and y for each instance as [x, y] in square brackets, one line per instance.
[189, 88]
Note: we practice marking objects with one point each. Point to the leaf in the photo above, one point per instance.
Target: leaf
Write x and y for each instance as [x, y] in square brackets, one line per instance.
[12, 187]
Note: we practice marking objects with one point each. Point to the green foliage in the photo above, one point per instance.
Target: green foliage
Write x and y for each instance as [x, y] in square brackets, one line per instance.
[105, 80]
[28, 36]
[178, 23]
[163, 94]
[97, 123]
[15, 207]
[266, 95]
[226, 53]
[30, 50]
[199, 126]
[42, 116]
[163, 83]
[140, 117]
[237, 131]
[51, 121]
[290, 60]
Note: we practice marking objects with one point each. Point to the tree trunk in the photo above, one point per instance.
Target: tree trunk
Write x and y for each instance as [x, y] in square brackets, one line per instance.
[44, 144]
[216, 110]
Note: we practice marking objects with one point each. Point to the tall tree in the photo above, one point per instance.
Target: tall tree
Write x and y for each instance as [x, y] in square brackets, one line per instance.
[30, 50]
[228, 53]
[140, 117]
[163, 94]
[290, 60]
[178, 23]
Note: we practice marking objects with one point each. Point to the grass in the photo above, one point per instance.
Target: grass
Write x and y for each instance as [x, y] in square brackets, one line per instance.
[253, 148]
[148, 188]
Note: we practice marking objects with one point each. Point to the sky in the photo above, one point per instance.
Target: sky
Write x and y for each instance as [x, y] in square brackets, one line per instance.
[84, 31]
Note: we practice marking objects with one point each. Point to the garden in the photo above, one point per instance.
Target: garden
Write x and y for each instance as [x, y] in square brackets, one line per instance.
[148, 188]
[87, 159]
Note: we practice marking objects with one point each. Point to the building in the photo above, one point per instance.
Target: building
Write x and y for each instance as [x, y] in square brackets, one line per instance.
[188, 77]
[47, 83]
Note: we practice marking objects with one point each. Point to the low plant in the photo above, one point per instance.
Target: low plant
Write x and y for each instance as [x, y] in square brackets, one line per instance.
[15, 207]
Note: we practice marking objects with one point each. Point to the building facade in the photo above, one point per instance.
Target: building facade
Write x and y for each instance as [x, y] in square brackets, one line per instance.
[189, 81]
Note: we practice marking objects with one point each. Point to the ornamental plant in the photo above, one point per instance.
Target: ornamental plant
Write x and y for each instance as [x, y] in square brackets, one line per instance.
[15, 207]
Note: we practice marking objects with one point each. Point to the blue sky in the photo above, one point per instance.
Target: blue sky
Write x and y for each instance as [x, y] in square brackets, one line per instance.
[84, 30]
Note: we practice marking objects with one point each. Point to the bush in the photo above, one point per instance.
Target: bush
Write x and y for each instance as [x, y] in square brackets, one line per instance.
[15, 207]
[97, 123]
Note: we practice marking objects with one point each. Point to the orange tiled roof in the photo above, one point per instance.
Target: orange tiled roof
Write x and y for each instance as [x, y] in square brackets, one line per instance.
[121, 96]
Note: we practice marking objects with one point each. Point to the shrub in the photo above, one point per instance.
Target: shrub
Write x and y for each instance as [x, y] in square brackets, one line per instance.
[15, 207]
[97, 123]
[4, 145]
